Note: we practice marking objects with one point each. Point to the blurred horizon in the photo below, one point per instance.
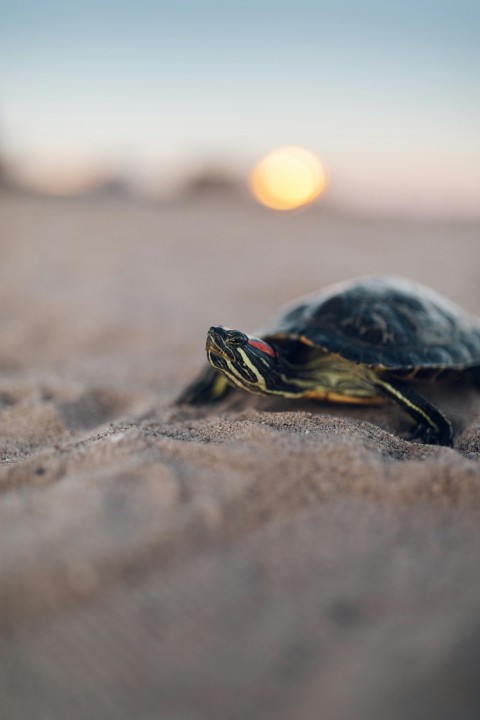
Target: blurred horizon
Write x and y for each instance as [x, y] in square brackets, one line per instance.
[150, 95]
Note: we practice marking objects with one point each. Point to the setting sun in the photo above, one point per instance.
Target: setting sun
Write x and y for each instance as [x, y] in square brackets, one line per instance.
[288, 178]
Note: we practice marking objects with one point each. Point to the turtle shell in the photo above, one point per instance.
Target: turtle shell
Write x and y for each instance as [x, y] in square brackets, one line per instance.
[384, 322]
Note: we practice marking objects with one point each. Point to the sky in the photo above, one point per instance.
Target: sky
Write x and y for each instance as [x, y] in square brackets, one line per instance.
[388, 94]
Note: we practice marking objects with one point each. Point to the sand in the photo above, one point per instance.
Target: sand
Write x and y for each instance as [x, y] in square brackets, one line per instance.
[260, 559]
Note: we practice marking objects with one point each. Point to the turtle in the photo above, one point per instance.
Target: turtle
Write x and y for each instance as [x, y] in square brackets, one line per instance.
[367, 341]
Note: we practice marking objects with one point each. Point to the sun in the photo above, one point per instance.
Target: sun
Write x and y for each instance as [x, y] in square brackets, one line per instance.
[288, 178]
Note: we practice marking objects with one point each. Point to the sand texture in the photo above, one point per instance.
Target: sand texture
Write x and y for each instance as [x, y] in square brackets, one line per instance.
[262, 559]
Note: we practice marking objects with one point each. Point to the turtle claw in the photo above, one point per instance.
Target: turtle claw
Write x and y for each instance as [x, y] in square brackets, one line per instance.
[428, 436]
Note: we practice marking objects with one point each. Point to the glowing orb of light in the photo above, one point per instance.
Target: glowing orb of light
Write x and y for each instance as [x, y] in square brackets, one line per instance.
[288, 178]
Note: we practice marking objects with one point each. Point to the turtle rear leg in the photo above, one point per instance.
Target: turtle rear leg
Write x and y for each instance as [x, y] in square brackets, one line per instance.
[431, 425]
[209, 387]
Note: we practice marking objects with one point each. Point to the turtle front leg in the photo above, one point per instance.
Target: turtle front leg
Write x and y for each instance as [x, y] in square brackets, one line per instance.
[209, 387]
[431, 425]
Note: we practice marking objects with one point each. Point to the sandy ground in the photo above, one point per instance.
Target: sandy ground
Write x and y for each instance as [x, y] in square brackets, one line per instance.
[261, 559]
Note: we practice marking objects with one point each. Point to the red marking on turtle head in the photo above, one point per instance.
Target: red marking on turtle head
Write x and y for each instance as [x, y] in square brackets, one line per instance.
[263, 346]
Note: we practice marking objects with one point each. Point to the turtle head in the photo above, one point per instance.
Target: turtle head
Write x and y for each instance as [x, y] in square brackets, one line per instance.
[246, 361]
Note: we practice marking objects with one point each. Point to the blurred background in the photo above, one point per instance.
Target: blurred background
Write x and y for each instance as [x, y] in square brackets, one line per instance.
[168, 166]
[138, 98]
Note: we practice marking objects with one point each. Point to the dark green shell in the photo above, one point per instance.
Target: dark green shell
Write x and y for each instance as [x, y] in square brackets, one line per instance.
[384, 322]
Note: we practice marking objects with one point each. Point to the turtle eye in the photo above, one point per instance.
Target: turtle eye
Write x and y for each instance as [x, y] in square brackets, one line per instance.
[237, 339]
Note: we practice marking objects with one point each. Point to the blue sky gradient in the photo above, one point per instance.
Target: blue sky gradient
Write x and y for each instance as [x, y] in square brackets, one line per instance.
[387, 93]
